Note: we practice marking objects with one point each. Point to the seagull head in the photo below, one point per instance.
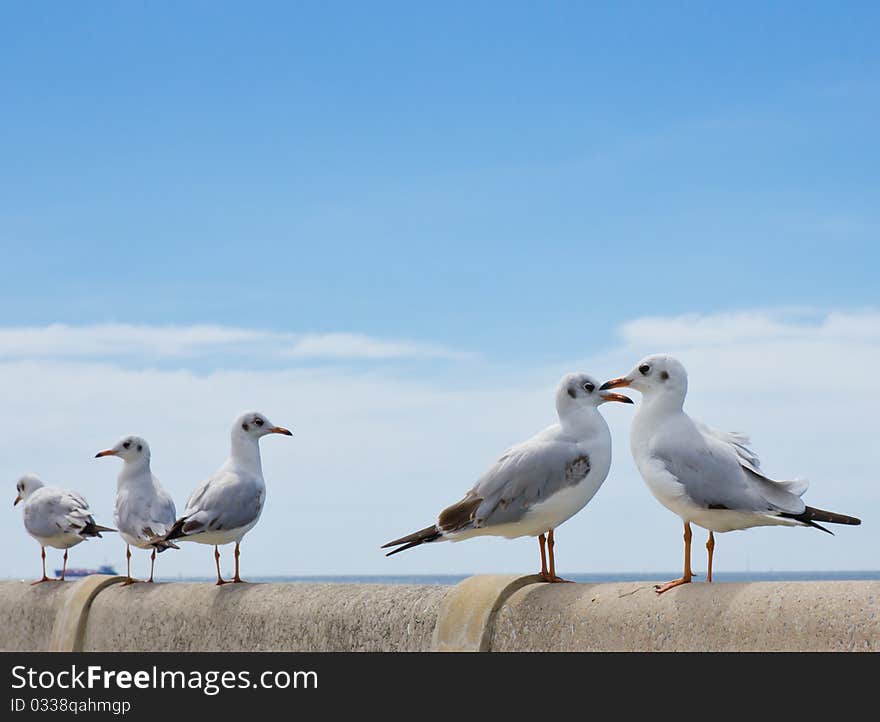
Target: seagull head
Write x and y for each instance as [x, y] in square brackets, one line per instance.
[131, 449]
[255, 425]
[582, 391]
[657, 374]
[26, 486]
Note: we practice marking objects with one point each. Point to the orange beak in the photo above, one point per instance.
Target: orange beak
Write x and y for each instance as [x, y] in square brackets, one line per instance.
[17, 499]
[617, 397]
[280, 430]
[108, 452]
[615, 383]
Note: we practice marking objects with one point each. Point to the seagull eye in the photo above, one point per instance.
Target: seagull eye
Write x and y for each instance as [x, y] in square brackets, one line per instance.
[258, 421]
[645, 369]
[126, 445]
[588, 387]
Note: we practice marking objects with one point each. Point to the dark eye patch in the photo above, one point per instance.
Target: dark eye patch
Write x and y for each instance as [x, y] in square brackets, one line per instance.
[664, 375]
[245, 426]
[572, 392]
[644, 368]
[140, 448]
[126, 445]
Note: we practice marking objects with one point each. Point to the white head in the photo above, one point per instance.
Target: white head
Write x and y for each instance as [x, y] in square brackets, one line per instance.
[656, 376]
[26, 486]
[580, 391]
[254, 425]
[131, 449]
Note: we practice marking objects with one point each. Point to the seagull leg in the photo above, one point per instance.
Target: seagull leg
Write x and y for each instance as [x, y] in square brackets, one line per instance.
[220, 580]
[152, 564]
[128, 579]
[45, 578]
[64, 566]
[545, 575]
[237, 579]
[710, 546]
[550, 544]
[688, 574]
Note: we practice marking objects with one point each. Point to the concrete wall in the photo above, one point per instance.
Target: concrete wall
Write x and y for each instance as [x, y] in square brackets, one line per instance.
[497, 613]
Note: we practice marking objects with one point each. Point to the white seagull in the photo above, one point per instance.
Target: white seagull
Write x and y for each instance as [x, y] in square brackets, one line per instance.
[707, 477]
[55, 518]
[144, 510]
[537, 485]
[228, 504]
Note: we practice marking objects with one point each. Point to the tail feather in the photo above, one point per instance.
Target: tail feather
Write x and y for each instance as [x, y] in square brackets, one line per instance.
[423, 536]
[92, 529]
[810, 516]
[175, 532]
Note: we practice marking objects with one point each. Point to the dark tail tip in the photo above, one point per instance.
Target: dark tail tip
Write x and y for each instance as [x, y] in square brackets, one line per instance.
[811, 515]
[423, 536]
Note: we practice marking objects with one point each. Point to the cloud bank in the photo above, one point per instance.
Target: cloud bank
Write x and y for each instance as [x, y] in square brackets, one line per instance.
[377, 453]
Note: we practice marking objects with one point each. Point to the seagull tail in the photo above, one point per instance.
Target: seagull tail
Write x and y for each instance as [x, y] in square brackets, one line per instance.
[92, 529]
[160, 544]
[810, 516]
[423, 536]
[175, 532]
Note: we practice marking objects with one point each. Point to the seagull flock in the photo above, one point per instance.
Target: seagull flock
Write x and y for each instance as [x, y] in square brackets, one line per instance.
[707, 477]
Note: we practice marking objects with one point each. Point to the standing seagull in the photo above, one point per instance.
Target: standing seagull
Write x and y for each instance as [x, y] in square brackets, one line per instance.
[228, 504]
[55, 518]
[538, 484]
[144, 510]
[707, 477]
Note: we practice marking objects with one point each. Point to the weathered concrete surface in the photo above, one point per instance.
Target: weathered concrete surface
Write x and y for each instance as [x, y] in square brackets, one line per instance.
[263, 617]
[29, 613]
[494, 613]
[791, 616]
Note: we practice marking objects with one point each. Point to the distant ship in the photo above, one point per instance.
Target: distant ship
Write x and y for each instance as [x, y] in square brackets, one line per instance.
[73, 572]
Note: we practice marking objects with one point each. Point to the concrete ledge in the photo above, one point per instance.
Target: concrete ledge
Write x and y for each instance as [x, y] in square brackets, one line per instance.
[765, 616]
[497, 613]
[263, 617]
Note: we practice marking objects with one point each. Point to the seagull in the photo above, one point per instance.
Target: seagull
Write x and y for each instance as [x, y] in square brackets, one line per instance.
[228, 504]
[537, 485]
[144, 510]
[707, 477]
[55, 518]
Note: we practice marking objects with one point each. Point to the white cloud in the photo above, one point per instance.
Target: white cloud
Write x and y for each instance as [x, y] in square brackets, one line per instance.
[150, 343]
[358, 346]
[376, 453]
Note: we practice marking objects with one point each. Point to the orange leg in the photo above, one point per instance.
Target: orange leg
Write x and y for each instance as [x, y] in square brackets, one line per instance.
[710, 546]
[64, 566]
[128, 579]
[44, 577]
[237, 579]
[220, 580]
[688, 574]
[542, 540]
[152, 564]
[550, 544]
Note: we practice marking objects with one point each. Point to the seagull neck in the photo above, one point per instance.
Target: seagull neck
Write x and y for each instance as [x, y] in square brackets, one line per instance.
[245, 453]
[582, 421]
[663, 403]
[135, 470]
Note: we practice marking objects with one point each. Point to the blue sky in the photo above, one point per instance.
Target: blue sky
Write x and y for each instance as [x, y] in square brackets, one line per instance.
[497, 188]
[482, 176]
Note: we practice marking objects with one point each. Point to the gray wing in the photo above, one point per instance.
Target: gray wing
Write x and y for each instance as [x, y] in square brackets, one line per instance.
[737, 441]
[58, 511]
[222, 502]
[522, 477]
[715, 476]
[161, 514]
